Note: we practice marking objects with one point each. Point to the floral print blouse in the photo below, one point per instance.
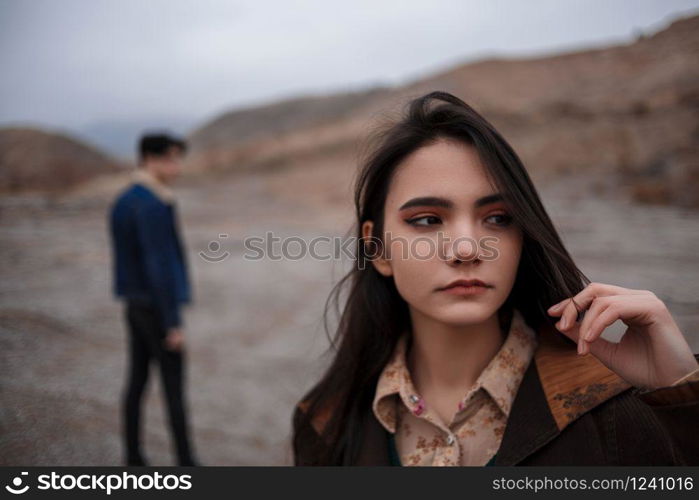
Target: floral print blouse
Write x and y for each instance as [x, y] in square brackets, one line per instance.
[474, 433]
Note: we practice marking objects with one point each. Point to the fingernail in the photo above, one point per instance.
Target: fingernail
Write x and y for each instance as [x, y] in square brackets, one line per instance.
[580, 347]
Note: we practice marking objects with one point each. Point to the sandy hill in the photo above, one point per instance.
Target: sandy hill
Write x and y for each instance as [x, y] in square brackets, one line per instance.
[35, 160]
[626, 114]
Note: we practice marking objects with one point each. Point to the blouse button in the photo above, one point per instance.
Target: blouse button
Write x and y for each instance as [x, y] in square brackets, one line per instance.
[450, 439]
[419, 408]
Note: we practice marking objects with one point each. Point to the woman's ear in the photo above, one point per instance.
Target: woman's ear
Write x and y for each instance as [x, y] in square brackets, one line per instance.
[373, 250]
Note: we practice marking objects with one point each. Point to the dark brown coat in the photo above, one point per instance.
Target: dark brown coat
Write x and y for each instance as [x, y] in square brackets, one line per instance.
[568, 410]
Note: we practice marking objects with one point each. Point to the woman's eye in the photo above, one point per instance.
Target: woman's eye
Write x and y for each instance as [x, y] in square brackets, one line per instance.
[426, 220]
[500, 219]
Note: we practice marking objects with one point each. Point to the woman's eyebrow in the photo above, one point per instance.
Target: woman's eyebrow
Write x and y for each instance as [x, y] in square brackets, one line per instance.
[436, 201]
[427, 201]
[487, 200]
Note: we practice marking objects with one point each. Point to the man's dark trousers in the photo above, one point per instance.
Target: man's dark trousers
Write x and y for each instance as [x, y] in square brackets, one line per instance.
[146, 336]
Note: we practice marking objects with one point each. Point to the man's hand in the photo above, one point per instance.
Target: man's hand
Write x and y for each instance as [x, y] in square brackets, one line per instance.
[174, 340]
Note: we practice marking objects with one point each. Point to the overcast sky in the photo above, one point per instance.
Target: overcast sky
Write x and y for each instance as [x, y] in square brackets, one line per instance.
[73, 63]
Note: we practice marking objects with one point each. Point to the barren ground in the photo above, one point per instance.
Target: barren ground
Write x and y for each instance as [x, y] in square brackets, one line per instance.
[255, 336]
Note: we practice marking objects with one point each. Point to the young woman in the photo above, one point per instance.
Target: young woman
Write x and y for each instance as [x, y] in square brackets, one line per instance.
[457, 342]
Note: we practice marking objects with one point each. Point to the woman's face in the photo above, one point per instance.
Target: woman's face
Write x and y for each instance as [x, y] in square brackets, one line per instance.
[439, 216]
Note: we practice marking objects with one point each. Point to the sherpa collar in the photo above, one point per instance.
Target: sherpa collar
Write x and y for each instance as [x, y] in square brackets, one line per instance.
[145, 178]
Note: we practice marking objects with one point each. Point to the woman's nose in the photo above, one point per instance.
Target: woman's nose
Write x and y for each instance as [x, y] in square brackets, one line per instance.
[462, 249]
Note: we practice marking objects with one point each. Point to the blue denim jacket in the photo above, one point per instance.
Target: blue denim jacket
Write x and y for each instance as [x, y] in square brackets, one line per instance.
[149, 264]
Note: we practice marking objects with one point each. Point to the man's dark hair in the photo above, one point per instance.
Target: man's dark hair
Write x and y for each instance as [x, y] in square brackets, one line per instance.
[158, 145]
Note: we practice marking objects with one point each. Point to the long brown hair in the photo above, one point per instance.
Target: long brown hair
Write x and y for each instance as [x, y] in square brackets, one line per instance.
[375, 315]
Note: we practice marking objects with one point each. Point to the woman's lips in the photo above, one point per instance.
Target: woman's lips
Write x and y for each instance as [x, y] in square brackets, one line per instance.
[465, 290]
[466, 287]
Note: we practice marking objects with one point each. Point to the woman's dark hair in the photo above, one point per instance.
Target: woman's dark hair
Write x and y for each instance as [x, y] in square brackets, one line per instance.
[375, 315]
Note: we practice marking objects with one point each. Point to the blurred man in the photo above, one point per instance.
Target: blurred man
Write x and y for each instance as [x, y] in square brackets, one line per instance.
[150, 274]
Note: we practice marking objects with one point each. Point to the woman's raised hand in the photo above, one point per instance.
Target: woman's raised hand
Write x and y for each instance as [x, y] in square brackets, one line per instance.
[653, 353]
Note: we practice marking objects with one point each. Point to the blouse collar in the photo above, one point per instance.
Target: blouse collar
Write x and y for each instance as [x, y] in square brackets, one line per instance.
[500, 379]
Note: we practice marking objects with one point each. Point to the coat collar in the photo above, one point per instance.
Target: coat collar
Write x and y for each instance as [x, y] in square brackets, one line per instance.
[145, 178]
[558, 388]
[572, 384]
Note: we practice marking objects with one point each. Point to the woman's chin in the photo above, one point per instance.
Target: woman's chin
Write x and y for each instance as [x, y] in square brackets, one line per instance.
[465, 314]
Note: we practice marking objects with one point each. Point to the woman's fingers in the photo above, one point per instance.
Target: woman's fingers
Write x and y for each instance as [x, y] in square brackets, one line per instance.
[571, 308]
[598, 305]
[601, 348]
[585, 307]
[601, 321]
[570, 313]
[603, 313]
